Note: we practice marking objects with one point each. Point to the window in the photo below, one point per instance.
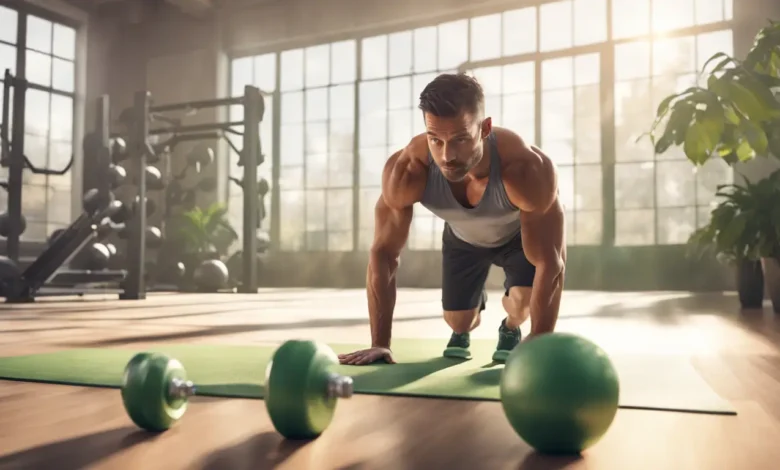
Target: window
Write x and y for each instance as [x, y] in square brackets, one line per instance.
[317, 156]
[259, 71]
[659, 199]
[49, 50]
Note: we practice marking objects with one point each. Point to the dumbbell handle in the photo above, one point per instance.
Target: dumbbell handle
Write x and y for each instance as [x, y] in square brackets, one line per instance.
[340, 386]
[179, 388]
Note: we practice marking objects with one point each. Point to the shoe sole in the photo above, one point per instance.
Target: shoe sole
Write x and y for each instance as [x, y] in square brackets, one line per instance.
[500, 355]
[458, 353]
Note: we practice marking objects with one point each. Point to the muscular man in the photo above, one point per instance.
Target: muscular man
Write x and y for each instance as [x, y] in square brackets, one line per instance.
[499, 199]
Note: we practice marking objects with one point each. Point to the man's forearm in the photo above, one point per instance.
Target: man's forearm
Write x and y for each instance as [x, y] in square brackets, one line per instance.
[546, 299]
[381, 289]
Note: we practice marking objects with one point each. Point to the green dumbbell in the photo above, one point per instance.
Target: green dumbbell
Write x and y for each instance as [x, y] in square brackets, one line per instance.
[301, 390]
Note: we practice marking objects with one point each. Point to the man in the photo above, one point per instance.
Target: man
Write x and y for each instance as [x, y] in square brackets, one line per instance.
[499, 199]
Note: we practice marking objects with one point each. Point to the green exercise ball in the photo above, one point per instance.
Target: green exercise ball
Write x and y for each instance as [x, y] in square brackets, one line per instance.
[559, 392]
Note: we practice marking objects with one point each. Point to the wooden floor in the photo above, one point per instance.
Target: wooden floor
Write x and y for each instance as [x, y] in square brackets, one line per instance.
[60, 427]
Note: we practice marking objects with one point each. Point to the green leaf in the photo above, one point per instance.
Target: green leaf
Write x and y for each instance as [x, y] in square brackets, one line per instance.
[745, 152]
[698, 143]
[747, 102]
[755, 136]
[730, 115]
[664, 106]
[725, 60]
[680, 120]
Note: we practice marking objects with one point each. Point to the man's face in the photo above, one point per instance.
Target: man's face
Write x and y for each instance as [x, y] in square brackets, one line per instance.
[456, 143]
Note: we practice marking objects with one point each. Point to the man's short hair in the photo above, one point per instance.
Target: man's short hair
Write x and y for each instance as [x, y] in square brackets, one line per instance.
[449, 95]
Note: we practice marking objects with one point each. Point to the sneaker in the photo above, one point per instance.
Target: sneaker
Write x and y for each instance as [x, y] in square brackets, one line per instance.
[458, 347]
[507, 340]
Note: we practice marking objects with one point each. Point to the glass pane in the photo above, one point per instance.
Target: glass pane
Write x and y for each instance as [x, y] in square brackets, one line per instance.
[372, 161]
[340, 241]
[519, 77]
[634, 185]
[240, 75]
[34, 198]
[292, 144]
[486, 37]
[36, 113]
[633, 115]
[588, 188]
[340, 170]
[316, 104]
[316, 138]
[590, 21]
[570, 220]
[316, 171]
[292, 212]
[7, 59]
[292, 70]
[519, 115]
[374, 58]
[555, 25]
[587, 70]
[587, 124]
[709, 11]
[343, 61]
[714, 172]
[291, 177]
[9, 20]
[490, 79]
[557, 73]
[267, 130]
[630, 18]
[669, 15]
[674, 56]
[60, 154]
[342, 102]
[373, 98]
[493, 109]
[729, 9]
[421, 234]
[558, 125]
[39, 32]
[399, 128]
[36, 149]
[453, 44]
[340, 210]
[292, 107]
[373, 131]
[709, 44]
[703, 215]
[318, 65]
[566, 186]
[61, 118]
[342, 133]
[58, 207]
[419, 82]
[38, 68]
[64, 42]
[675, 184]
[632, 60]
[635, 227]
[400, 57]
[588, 227]
[315, 211]
[366, 237]
[265, 72]
[425, 42]
[676, 225]
[63, 76]
[519, 31]
[399, 93]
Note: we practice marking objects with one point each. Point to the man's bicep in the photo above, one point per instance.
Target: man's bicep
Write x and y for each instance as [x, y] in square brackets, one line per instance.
[391, 227]
[544, 235]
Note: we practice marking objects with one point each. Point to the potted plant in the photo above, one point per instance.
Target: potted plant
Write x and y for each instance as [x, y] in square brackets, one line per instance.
[201, 235]
[744, 230]
[734, 116]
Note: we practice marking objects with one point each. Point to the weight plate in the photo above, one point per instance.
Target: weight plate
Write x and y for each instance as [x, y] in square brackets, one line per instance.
[296, 389]
[146, 391]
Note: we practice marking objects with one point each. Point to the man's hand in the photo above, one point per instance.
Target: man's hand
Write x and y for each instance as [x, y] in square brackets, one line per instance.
[367, 356]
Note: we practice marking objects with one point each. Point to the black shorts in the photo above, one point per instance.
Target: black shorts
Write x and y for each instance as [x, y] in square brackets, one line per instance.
[465, 269]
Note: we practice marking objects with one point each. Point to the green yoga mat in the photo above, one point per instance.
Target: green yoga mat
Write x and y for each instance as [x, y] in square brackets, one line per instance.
[647, 382]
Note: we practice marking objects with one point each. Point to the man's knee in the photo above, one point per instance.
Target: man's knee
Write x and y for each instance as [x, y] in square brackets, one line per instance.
[462, 321]
[518, 302]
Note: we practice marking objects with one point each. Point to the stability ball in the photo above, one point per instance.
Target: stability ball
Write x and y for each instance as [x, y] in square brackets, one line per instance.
[559, 392]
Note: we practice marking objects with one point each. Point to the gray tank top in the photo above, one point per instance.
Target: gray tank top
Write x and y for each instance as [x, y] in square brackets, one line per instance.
[491, 223]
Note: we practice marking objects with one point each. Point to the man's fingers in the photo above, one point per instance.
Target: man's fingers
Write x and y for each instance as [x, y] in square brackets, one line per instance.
[389, 359]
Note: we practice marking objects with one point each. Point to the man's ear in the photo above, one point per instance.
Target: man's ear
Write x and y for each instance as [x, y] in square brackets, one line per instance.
[487, 127]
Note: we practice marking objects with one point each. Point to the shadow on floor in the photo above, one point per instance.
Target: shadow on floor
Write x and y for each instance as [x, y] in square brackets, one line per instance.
[537, 461]
[265, 450]
[77, 453]
[235, 329]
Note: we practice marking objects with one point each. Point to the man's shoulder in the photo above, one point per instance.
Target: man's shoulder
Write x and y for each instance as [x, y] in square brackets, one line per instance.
[512, 148]
[529, 174]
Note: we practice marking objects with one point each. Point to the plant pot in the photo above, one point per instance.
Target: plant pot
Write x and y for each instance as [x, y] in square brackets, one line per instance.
[750, 284]
[772, 279]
